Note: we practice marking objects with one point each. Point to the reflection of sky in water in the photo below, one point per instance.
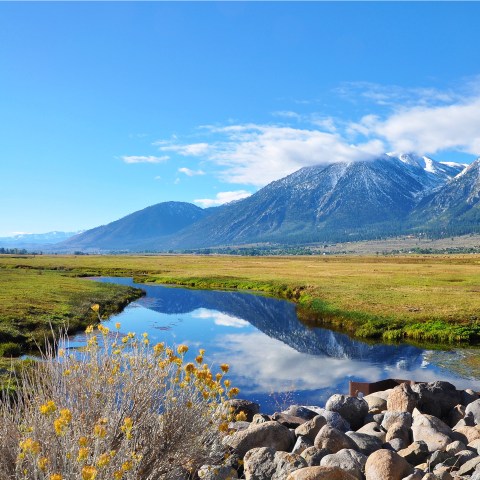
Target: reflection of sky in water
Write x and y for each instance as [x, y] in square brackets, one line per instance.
[274, 358]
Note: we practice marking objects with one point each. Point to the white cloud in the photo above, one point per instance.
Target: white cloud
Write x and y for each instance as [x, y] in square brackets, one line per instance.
[144, 159]
[190, 150]
[222, 197]
[431, 129]
[158, 177]
[191, 173]
[220, 318]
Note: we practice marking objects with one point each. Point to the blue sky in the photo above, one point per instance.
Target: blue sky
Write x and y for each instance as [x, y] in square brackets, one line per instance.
[107, 108]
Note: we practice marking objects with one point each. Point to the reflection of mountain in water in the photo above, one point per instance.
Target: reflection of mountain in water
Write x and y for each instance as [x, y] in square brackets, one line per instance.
[275, 318]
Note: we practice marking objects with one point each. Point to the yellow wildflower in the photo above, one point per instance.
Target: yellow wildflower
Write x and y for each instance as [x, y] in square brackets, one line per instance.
[95, 307]
[181, 349]
[158, 348]
[126, 466]
[42, 463]
[118, 325]
[56, 476]
[226, 383]
[82, 454]
[83, 441]
[145, 335]
[224, 367]
[199, 359]
[48, 408]
[61, 352]
[103, 460]
[89, 329]
[233, 391]
[127, 427]
[30, 446]
[202, 351]
[241, 417]
[89, 472]
[117, 475]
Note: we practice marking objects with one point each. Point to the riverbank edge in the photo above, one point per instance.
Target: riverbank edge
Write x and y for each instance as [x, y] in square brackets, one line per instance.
[315, 312]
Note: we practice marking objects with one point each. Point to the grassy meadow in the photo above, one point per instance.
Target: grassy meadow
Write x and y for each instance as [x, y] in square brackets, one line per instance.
[430, 299]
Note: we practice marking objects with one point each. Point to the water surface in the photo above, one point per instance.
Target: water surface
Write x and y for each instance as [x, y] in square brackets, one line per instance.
[274, 358]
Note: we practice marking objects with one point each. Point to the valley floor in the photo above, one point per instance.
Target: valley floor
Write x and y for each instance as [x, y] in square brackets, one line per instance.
[430, 298]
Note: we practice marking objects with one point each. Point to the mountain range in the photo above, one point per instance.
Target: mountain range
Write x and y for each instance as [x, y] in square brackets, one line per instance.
[342, 201]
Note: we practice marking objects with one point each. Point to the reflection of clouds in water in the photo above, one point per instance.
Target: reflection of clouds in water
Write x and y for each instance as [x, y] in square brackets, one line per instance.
[268, 365]
[220, 318]
[264, 365]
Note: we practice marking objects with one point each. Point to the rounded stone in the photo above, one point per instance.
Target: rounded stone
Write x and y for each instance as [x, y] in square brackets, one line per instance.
[352, 409]
[385, 464]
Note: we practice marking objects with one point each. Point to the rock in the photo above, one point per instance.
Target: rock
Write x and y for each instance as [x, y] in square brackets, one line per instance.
[397, 430]
[302, 444]
[367, 444]
[443, 473]
[469, 467]
[235, 406]
[352, 409]
[429, 476]
[385, 464]
[378, 418]
[416, 475]
[475, 475]
[415, 453]
[267, 464]
[468, 396]
[333, 419]
[321, 473]
[473, 410]
[375, 404]
[455, 447]
[466, 434]
[311, 428]
[217, 472]
[474, 446]
[349, 460]
[313, 455]
[464, 456]
[402, 399]
[436, 398]
[383, 394]
[435, 433]
[269, 434]
[289, 421]
[395, 444]
[374, 430]
[405, 418]
[300, 411]
[456, 414]
[237, 426]
[260, 418]
[439, 457]
[333, 440]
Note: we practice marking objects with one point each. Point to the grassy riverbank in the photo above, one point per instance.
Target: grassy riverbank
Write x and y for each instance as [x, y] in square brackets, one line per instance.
[417, 298]
[35, 301]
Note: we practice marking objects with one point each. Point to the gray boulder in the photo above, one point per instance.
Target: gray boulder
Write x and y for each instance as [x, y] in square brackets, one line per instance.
[268, 464]
[373, 429]
[473, 410]
[375, 404]
[333, 440]
[366, 444]
[436, 398]
[468, 396]
[468, 467]
[435, 433]
[415, 454]
[397, 430]
[302, 444]
[310, 428]
[313, 455]
[333, 419]
[404, 418]
[300, 411]
[269, 434]
[402, 399]
[352, 409]
[349, 460]
[455, 447]
[395, 444]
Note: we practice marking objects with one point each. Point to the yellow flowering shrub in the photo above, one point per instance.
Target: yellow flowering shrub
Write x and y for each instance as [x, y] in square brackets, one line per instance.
[117, 409]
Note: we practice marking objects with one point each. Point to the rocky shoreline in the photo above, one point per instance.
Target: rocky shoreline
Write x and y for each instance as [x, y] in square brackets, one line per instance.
[423, 431]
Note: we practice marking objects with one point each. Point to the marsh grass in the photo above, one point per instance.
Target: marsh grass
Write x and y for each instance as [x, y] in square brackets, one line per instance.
[118, 409]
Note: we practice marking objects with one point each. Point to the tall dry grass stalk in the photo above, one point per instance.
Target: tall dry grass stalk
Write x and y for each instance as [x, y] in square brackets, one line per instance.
[119, 409]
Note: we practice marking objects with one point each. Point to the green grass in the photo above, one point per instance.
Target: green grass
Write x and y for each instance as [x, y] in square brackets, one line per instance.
[35, 302]
[422, 299]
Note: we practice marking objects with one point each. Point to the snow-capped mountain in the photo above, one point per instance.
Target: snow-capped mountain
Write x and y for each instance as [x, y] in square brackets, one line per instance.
[457, 203]
[336, 202]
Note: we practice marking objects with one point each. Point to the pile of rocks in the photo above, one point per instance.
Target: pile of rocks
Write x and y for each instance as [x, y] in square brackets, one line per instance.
[414, 431]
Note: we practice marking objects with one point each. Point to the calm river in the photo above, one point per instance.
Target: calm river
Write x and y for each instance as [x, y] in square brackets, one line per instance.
[274, 359]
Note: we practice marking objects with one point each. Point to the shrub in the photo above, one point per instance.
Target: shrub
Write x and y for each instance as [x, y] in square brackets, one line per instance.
[118, 409]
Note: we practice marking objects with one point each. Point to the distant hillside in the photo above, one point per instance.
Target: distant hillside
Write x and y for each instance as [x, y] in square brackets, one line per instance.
[34, 240]
[387, 196]
[139, 230]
